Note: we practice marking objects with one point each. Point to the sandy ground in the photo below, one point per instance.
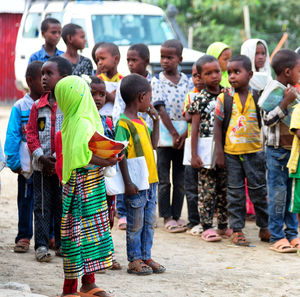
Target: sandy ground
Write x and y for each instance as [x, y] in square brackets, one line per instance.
[194, 267]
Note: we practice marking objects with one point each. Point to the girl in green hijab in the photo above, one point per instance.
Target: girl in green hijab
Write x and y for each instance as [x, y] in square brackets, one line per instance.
[222, 52]
[86, 240]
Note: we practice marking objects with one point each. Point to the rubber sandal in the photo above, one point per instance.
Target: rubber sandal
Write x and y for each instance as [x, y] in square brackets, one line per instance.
[225, 233]
[264, 235]
[92, 292]
[238, 238]
[42, 254]
[181, 223]
[138, 267]
[122, 224]
[22, 246]
[295, 243]
[196, 230]
[282, 246]
[172, 227]
[69, 295]
[211, 235]
[156, 267]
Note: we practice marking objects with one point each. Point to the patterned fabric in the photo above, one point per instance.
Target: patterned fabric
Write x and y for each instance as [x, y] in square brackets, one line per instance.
[243, 133]
[212, 197]
[84, 66]
[108, 132]
[294, 158]
[43, 56]
[141, 141]
[85, 232]
[172, 96]
[204, 104]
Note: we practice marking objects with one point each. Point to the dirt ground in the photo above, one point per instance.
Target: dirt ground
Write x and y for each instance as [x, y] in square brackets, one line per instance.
[194, 267]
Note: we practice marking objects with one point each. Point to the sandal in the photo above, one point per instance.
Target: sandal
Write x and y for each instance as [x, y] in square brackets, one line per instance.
[264, 234]
[116, 266]
[238, 238]
[211, 235]
[196, 230]
[42, 254]
[295, 243]
[156, 267]
[225, 233]
[181, 223]
[22, 246]
[138, 267]
[282, 246]
[172, 227]
[122, 224]
[93, 292]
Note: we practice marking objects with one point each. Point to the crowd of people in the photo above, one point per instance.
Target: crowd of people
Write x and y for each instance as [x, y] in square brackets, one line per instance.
[253, 153]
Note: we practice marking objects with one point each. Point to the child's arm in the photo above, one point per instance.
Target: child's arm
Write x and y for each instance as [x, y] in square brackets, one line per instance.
[130, 187]
[272, 117]
[155, 132]
[218, 137]
[103, 162]
[196, 161]
[110, 96]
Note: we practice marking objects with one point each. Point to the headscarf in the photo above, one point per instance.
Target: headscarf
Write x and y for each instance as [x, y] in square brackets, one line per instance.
[216, 49]
[81, 121]
[263, 76]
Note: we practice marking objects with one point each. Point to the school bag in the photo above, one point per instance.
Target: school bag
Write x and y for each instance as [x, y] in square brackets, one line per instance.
[228, 101]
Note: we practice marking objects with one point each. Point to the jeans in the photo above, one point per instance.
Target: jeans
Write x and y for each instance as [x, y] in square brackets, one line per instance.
[279, 192]
[252, 167]
[166, 155]
[25, 208]
[121, 207]
[191, 192]
[141, 214]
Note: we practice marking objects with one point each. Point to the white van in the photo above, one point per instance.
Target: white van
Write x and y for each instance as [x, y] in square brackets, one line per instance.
[120, 22]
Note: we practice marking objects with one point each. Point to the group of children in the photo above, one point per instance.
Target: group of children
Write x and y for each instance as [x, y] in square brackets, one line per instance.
[63, 111]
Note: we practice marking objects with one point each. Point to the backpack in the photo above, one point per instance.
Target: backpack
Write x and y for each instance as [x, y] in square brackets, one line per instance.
[228, 101]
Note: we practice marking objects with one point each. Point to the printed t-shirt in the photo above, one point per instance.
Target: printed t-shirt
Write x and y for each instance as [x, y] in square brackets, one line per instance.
[243, 133]
[189, 98]
[143, 137]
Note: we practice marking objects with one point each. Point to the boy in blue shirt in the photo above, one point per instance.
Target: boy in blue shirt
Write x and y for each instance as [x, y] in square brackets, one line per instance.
[16, 133]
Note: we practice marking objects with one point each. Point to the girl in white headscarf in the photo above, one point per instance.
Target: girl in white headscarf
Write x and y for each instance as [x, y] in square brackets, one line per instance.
[257, 51]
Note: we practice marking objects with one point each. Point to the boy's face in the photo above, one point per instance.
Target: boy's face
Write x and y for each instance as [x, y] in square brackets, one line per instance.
[197, 81]
[52, 35]
[169, 59]
[98, 92]
[145, 101]
[295, 74]
[78, 39]
[260, 56]
[105, 61]
[50, 76]
[224, 58]
[135, 63]
[35, 85]
[211, 74]
[238, 76]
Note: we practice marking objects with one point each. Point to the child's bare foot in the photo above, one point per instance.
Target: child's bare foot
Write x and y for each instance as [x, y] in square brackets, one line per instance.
[90, 290]
[116, 266]
[225, 233]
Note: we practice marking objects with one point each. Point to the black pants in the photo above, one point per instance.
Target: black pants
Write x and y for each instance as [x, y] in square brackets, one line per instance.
[166, 155]
[47, 203]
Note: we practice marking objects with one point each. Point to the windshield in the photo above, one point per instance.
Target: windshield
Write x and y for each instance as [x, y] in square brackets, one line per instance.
[130, 29]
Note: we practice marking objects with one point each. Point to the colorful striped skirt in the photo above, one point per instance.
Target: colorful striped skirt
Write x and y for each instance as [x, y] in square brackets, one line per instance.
[85, 232]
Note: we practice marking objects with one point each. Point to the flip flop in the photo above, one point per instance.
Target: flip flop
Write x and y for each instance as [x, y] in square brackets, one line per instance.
[92, 292]
[283, 246]
[196, 230]
[122, 224]
[295, 243]
[211, 235]
[172, 227]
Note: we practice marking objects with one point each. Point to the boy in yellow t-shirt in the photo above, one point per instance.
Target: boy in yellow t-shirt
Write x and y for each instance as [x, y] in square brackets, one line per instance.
[238, 145]
[140, 204]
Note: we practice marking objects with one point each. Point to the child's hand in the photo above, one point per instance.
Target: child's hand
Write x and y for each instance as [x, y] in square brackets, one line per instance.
[220, 160]
[175, 140]
[152, 113]
[225, 90]
[131, 189]
[290, 94]
[180, 140]
[18, 170]
[196, 162]
[48, 165]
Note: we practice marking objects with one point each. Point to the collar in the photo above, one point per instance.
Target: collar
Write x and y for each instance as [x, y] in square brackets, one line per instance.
[116, 78]
[183, 79]
[45, 55]
[43, 101]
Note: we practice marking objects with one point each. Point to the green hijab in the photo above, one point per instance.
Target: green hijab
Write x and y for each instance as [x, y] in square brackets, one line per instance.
[81, 121]
[216, 49]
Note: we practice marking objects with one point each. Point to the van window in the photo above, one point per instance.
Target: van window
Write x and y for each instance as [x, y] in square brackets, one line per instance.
[130, 29]
[56, 15]
[81, 22]
[32, 25]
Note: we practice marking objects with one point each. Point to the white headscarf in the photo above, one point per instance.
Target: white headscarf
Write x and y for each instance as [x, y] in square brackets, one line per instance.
[263, 76]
